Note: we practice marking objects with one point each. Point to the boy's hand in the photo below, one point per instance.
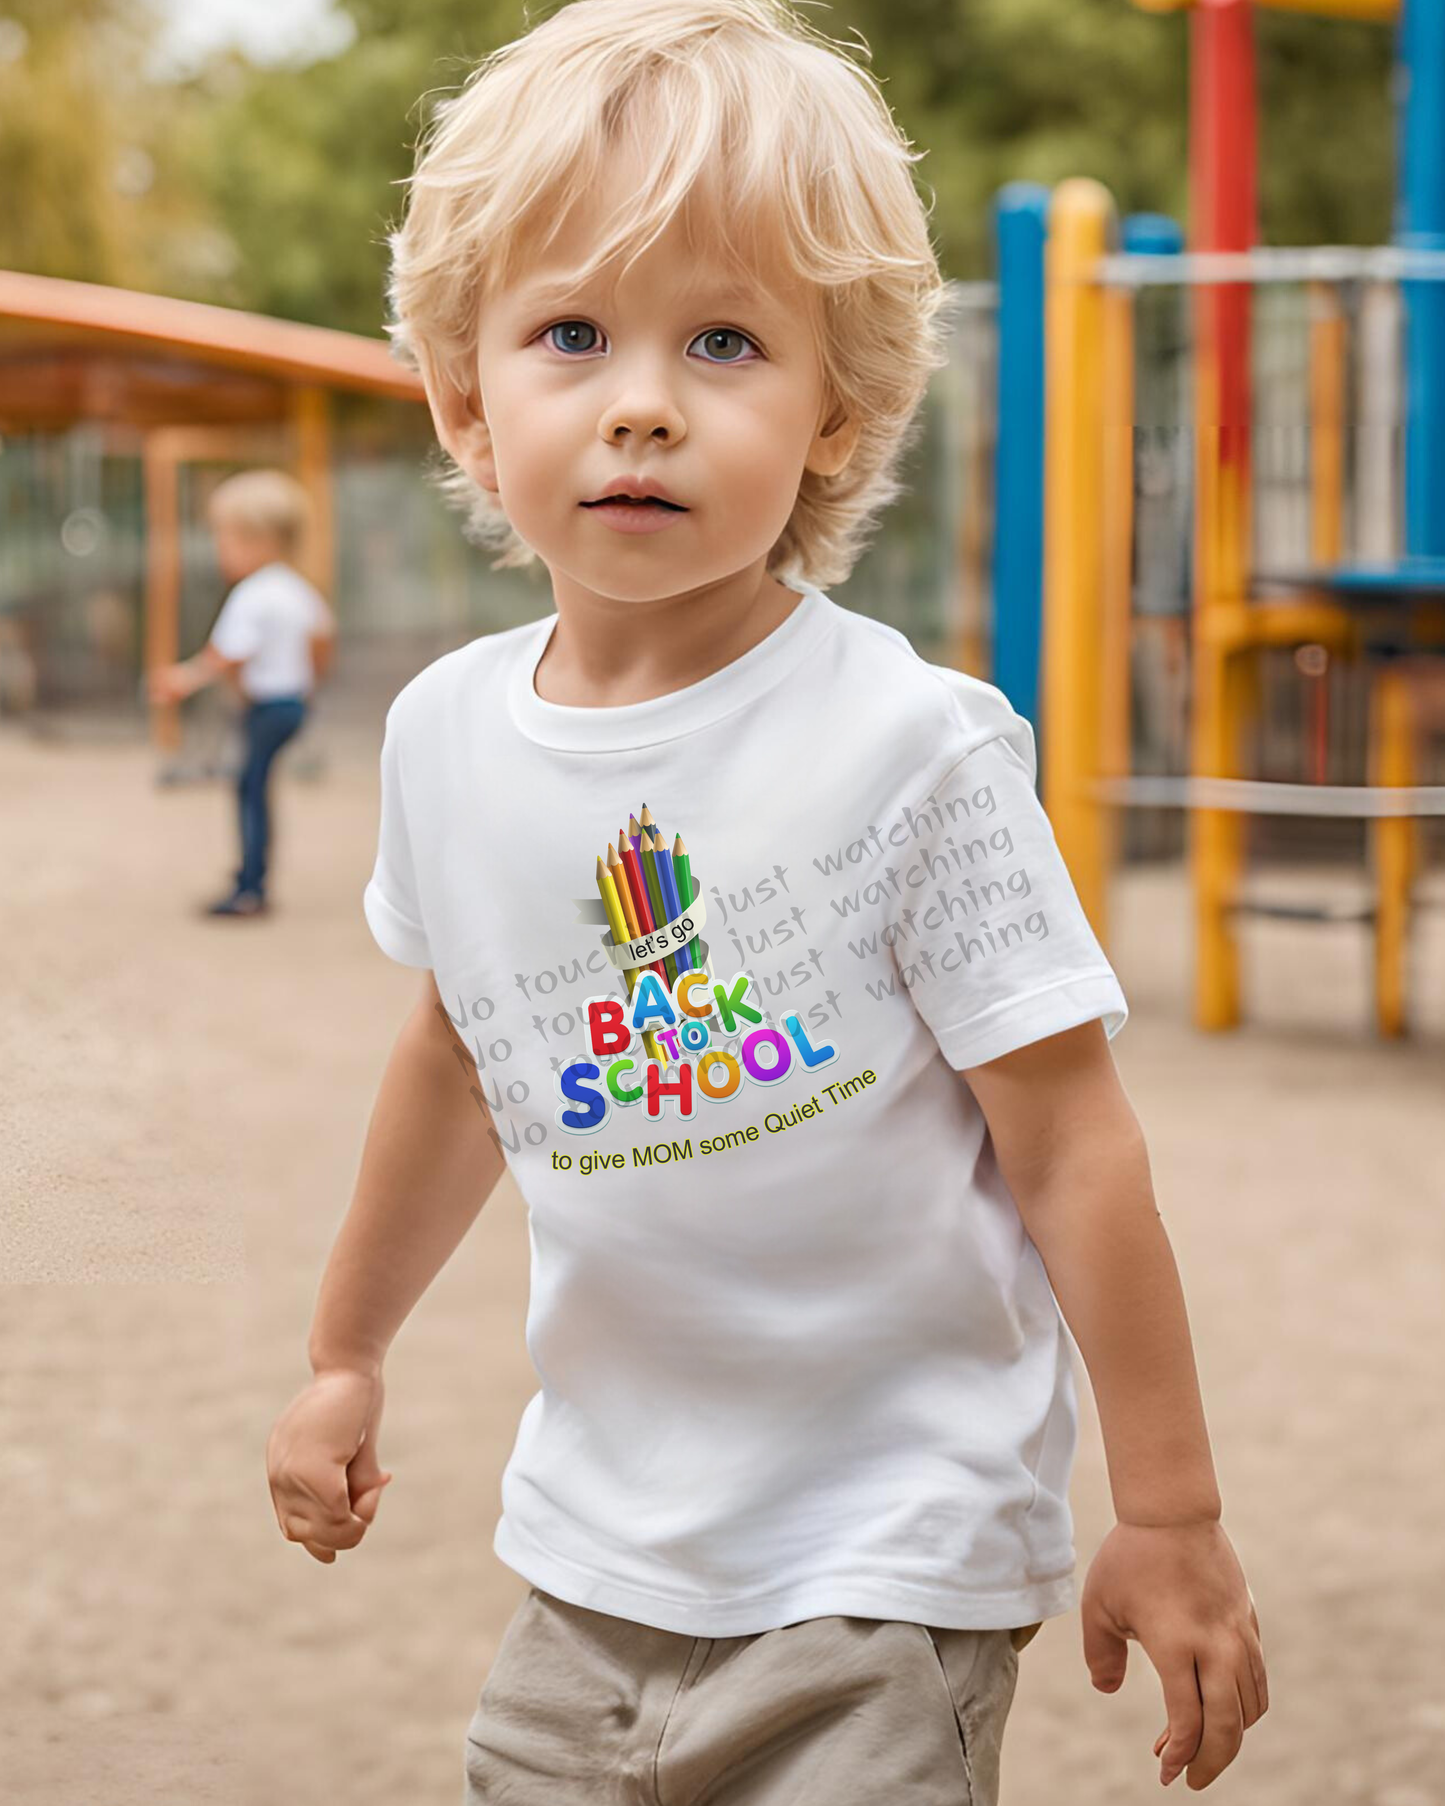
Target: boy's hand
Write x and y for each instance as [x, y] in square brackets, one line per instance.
[321, 1461]
[1179, 1589]
[168, 683]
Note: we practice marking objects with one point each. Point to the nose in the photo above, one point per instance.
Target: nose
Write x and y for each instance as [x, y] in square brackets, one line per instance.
[646, 410]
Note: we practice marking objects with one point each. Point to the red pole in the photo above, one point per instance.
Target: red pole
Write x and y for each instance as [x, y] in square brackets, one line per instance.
[1224, 217]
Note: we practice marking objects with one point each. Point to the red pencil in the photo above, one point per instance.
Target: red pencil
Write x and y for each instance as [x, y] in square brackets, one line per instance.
[632, 865]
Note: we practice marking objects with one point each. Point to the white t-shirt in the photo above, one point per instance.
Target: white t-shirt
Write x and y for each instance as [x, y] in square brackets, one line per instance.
[798, 1355]
[268, 620]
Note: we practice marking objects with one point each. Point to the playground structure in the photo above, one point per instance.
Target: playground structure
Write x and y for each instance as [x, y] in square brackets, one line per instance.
[179, 387]
[1041, 501]
[1067, 302]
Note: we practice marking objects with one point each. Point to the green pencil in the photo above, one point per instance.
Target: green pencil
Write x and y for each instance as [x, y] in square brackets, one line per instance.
[686, 889]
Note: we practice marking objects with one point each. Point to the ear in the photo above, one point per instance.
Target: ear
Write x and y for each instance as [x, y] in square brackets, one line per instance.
[833, 445]
[460, 421]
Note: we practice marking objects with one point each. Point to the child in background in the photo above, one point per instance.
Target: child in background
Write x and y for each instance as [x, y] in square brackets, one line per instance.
[273, 641]
[793, 1493]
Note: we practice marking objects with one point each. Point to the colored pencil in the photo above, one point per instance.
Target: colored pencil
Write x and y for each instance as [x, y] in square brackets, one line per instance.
[632, 865]
[618, 873]
[686, 893]
[624, 889]
[668, 881]
[659, 907]
[651, 831]
[617, 921]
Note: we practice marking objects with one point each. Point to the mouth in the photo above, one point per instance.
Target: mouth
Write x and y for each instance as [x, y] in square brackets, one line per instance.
[632, 501]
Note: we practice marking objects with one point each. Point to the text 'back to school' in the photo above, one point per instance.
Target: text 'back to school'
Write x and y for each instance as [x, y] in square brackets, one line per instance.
[678, 1020]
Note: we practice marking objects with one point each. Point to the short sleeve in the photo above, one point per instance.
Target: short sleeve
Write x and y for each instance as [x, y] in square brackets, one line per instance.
[393, 912]
[323, 621]
[237, 632]
[994, 945]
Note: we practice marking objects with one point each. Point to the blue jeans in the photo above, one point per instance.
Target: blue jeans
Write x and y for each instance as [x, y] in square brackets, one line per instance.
[268, 726]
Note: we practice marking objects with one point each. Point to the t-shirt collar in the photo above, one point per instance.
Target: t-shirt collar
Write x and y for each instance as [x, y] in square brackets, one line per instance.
[661, 718]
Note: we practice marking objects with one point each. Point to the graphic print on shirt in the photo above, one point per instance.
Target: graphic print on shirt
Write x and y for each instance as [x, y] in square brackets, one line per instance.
[669, 1006]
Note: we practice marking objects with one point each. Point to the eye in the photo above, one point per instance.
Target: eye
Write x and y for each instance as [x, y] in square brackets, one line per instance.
[727, 332]
[720, 338]
[570, 327]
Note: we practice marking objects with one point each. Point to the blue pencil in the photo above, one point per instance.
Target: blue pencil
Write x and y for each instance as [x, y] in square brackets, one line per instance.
[667, 878]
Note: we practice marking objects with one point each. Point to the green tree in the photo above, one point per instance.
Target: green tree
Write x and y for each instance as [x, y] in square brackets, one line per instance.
[82, 136]
[274, 187]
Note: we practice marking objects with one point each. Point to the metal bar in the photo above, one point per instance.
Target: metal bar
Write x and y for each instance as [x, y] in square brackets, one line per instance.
[1257, 797]
[1380, 12]
[972, 297]
[1271, 263]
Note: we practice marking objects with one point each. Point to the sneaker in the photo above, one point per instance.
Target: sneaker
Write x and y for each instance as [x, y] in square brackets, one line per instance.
[239, 903]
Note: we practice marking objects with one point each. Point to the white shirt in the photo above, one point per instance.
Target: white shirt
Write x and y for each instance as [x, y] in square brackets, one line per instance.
[268, 620]
[797, 1354]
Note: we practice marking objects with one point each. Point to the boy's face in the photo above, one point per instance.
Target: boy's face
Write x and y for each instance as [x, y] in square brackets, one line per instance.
[665, 375]
[241, 549]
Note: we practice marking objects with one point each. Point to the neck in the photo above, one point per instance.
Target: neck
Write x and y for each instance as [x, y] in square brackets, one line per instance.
[606, 653]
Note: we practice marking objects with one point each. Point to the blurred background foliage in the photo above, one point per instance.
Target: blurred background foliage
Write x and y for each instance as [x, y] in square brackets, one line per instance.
[271, 186]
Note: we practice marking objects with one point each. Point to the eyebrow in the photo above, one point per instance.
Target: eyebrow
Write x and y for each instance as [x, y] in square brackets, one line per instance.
[547, 293]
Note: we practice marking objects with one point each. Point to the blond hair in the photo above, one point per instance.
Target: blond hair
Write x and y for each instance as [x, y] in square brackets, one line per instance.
[264, 502]
[745, 112]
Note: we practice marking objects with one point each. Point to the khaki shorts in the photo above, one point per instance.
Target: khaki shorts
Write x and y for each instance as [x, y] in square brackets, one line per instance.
[582, 1707]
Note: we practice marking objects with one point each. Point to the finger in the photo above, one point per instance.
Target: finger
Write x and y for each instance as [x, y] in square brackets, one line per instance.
[326, 1513]
[327, 1532]
[1223, 1723]
[1261, 1676]
[320, 1553]
[1247, 1683]
[1106, 1653]
[1180, 1681]
[367, 1502]
[363, 1471]
[1254, 1648]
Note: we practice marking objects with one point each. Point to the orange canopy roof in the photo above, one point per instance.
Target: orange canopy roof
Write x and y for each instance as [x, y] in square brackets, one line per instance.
[77, 350]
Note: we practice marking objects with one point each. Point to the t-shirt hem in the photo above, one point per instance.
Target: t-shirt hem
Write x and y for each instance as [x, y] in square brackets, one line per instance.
[1017, 1021]
[850, 1595]
[396, 937]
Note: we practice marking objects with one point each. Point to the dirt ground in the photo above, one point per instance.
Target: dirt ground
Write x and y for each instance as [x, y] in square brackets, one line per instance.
[180, 1123]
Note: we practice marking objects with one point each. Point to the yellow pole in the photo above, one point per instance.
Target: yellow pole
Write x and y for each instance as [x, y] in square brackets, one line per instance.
[162, 575]
[1082, 228]
[311, 419]
[1393, 851]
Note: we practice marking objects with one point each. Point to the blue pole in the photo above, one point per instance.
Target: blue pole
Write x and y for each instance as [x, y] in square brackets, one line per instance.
[1420, 225]
[1151, 235]
[1021, 211]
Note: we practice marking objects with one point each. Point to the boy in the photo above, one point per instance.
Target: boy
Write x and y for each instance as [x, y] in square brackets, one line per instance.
[273, 640]
[807, 1092]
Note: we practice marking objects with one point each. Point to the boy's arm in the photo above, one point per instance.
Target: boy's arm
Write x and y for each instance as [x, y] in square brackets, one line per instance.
[323, 648]
[429, 1163]
[1073, 1154]
[170, 683]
